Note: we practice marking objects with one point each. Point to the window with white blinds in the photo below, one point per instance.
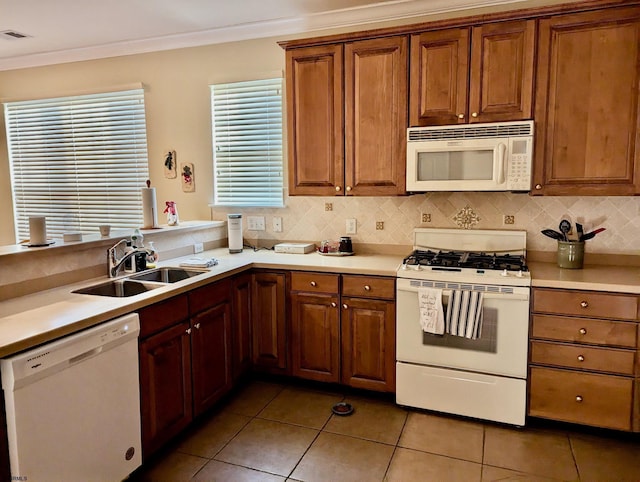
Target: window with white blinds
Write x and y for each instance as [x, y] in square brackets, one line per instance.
[247, 143]
[80, 161]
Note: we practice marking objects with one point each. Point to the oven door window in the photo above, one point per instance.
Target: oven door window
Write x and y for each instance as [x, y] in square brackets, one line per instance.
[487, 342]
[463, 165]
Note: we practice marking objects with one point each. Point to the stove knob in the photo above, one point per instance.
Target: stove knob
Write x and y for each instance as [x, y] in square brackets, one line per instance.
[519, 274]
[404, 266]
[504, 272]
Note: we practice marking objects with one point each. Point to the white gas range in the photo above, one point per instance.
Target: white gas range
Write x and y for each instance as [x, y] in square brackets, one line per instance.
[484, 377]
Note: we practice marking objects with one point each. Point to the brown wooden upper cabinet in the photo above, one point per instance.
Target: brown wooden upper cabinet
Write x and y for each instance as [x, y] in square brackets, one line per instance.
[347, 118]
[472, 74]
[587, 109]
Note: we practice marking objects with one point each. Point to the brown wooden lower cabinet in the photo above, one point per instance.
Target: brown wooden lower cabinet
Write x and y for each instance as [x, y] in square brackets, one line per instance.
[241, 325]
[315, 337]
[269, 325]
[585, 398]
[368, 344]
[185, 360]
[165, 386]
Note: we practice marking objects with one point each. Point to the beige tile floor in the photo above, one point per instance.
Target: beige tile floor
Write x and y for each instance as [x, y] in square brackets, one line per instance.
[272, 432]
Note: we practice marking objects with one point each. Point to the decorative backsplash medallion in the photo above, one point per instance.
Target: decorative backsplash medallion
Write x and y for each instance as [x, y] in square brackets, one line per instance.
[466, 218]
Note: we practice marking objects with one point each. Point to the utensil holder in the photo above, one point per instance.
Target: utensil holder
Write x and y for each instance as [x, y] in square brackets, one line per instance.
[570, 254]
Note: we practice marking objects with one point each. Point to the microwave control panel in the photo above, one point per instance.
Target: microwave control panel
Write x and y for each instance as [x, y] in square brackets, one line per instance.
[519, 171]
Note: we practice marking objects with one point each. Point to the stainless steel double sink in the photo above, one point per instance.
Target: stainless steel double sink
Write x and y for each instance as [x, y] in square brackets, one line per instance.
[141, 282]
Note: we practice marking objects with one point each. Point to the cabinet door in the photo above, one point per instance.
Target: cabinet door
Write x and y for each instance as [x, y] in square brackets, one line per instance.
[269, 342]
[501, 79]
[165, 386]
[211, 356]
[368, 344]
[315, 337]
[587, 104]
[439, 77]
[315, 120]
[376, 116]
[241, 325]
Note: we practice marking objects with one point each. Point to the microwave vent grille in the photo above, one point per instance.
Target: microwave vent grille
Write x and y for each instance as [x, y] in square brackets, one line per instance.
[486, 131]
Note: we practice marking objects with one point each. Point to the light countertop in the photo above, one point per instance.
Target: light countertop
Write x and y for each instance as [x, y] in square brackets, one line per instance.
[44, 316]
[622, 279]
[41, 317]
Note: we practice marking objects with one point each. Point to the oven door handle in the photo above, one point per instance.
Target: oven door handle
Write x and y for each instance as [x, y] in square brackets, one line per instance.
[487, 295]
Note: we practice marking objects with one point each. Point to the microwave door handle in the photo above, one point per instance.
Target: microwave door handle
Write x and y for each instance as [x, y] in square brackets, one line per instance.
[499, 153]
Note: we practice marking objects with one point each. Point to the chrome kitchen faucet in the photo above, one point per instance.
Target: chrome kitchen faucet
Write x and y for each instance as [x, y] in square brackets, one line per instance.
[114, 264]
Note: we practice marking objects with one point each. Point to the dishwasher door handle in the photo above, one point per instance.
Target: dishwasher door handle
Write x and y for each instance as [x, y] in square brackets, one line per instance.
[85, 355]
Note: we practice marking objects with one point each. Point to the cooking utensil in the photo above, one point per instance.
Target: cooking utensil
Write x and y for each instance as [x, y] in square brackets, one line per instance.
[553, 234]
[591, 234]
[565, 228]
[579, 231]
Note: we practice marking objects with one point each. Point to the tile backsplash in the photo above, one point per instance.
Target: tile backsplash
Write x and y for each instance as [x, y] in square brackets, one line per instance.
[308, 218]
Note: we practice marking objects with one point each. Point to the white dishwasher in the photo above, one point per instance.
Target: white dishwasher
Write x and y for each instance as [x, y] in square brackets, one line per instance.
[73, 406]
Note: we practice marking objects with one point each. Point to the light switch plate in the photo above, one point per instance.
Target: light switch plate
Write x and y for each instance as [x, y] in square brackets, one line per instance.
[352, 226]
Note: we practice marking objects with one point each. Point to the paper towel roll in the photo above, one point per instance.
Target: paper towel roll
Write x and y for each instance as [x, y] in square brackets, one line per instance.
[149, 209]
[37, 230]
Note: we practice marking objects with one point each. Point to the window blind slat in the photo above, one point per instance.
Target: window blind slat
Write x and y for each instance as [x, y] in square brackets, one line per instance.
[247, 143]
[80, 161]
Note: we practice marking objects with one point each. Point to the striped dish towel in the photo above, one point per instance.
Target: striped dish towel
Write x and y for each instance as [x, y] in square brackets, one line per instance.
[464, 314]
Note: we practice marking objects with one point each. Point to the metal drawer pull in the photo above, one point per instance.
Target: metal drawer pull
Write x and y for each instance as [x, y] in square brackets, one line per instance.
[580, 358]
[584, 304]
[583, 331]
[188, 330]
[333, 304]
[197, 326]
[578, 399]
[314, 284]
[367, 288]
[345, 306]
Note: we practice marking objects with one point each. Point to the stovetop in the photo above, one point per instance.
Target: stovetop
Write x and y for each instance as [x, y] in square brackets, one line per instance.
[465, 259]
[468, 256]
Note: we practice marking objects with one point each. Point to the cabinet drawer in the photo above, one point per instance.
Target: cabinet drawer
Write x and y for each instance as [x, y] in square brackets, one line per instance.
[209, 296]
[599, 400]
[597, 332]
[162, 315]
[314, 282]
[585, 303]
[610, 360]
[368, 286]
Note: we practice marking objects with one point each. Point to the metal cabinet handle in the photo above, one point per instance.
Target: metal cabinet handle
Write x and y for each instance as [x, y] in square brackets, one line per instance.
[197, 325]
[188, 331]
[338, 188]
[580, 358]
[578, 398]
[333, 304]
[474, 114]
[314, 284]
[345, 306]
[348, 188]
[367, 288]
[460, 116]
[538, 186]
[584, 304]
[583, 331]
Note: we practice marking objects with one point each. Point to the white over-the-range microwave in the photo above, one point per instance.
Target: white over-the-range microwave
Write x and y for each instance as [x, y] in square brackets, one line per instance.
[474, 157]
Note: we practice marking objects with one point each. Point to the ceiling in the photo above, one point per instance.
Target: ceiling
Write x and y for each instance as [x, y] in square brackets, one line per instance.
[70, 30]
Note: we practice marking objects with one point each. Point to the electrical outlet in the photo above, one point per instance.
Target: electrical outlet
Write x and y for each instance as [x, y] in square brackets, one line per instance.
[352, 226]
[277, 224]
[426, 217]
[328, 206]
[379, 225]
[198, 248]
[255, 223]
[509, 219]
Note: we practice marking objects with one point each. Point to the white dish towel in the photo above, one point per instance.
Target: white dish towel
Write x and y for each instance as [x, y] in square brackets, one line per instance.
[431, 310]
[464, 314]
